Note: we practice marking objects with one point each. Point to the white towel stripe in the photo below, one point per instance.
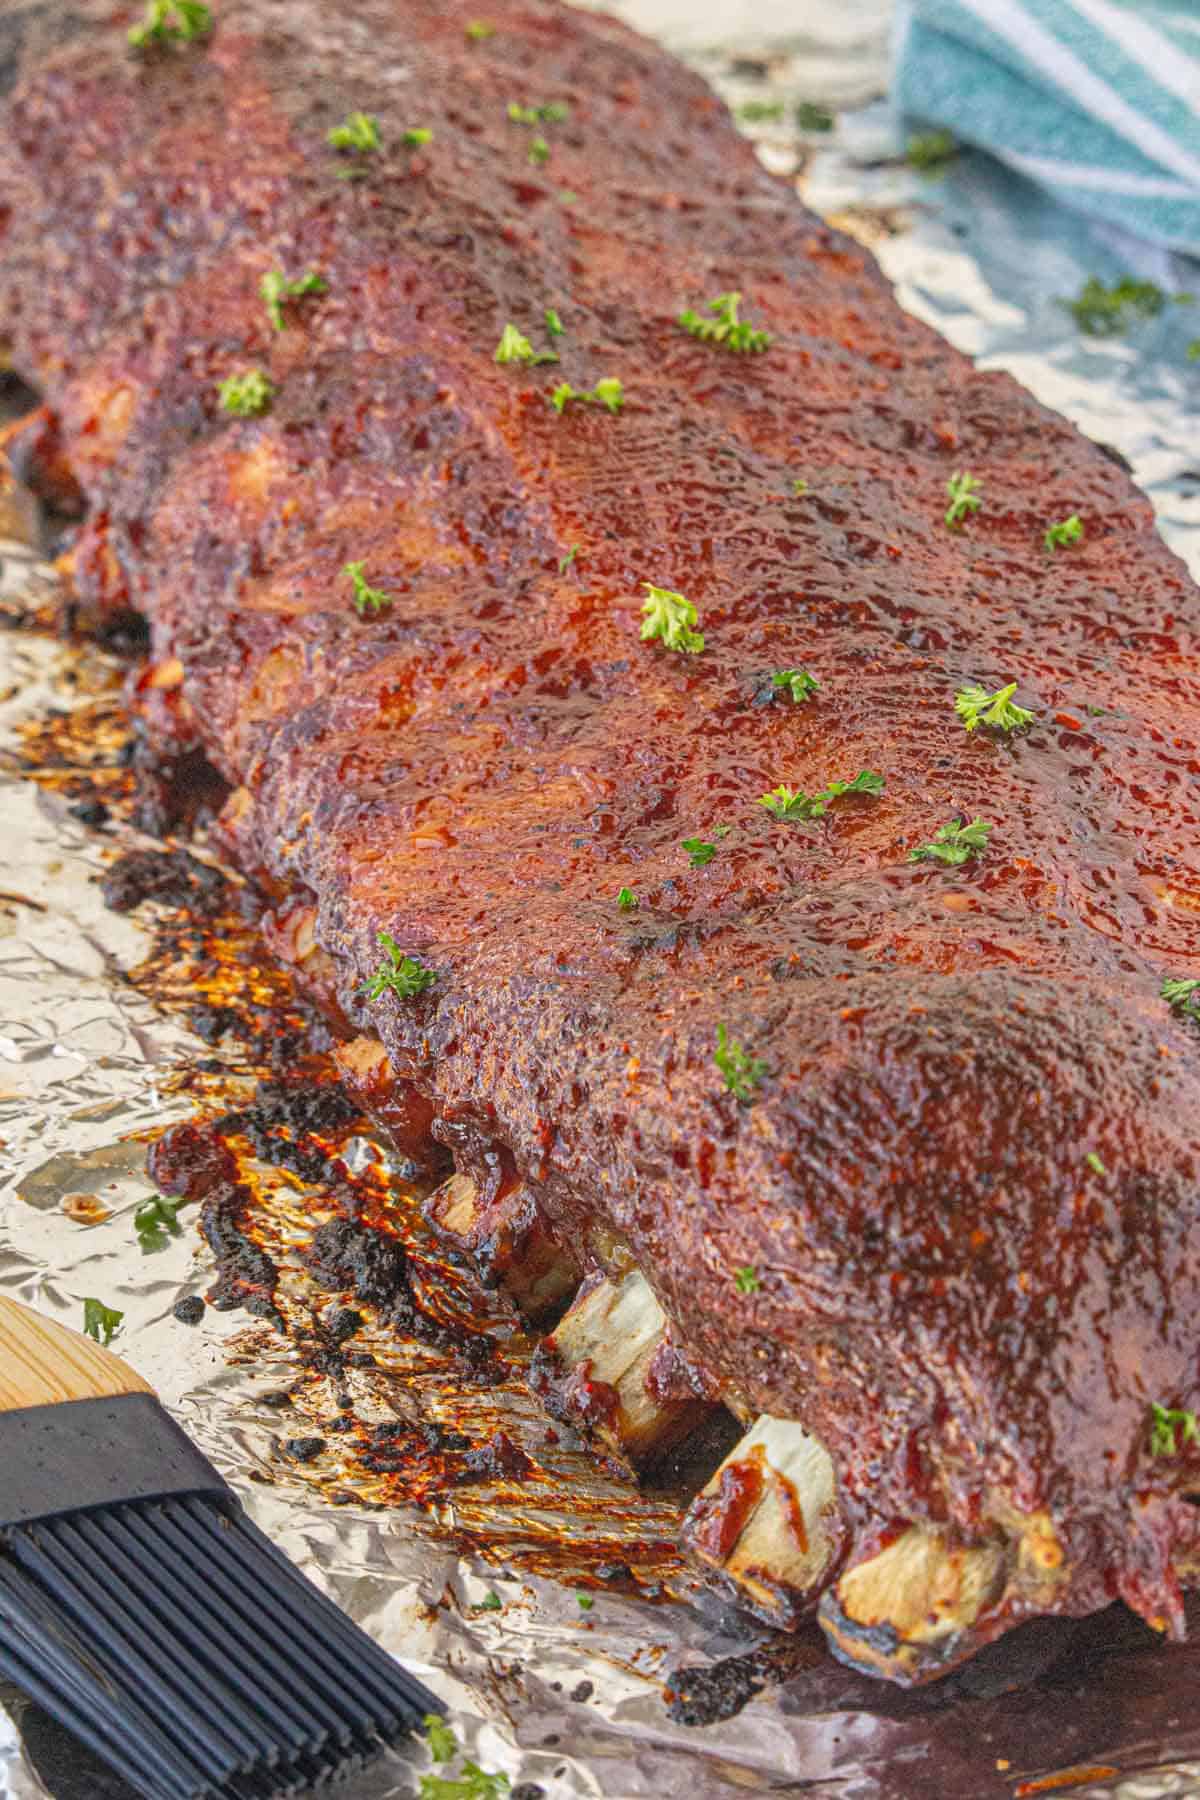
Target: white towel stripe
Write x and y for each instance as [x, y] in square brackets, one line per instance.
[1087, 175]
[1009, 19]
[1167, 65]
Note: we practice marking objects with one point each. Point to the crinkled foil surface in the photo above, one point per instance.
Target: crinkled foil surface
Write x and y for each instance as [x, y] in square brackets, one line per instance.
[569, 1699]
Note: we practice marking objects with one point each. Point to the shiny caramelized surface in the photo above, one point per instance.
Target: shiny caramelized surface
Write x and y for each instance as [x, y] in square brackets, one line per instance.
[970, 1315]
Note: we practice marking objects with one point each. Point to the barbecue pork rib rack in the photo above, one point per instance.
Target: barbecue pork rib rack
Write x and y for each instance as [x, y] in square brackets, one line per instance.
[942, 1255]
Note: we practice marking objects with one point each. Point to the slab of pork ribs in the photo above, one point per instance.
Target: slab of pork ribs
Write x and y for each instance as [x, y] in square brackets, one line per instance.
[940, 1236]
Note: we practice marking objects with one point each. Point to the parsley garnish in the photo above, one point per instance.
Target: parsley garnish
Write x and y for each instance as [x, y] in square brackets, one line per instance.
[607, 392]
[627, 900]
[404, 976]
[275, 288]
[554, 325]
[1095, 1163]
[742, 1072]
[472, 1784]
[794, 803]
[586, 1601]
[514, 347]
[811, 117]
[155, 1223]
[797, 682]
[366, 599]
[975, 706]
[490, 1603]
[1106, 311]
[963, 490]
[443, 1745]
[760, 112]
[478, 31]
[699, 851]
[799, 487]
[930, 150]
[180, 20]
[415, 136]
[746, 1280]
[553, 113]
[539, 150]
[358, 131]
[1193, 350]
[669, 616]
[1165, 1423]
[100, 1321]
[1183, 997]
[1067, 531]
[726, 329]
[247, 394]
[953, 842]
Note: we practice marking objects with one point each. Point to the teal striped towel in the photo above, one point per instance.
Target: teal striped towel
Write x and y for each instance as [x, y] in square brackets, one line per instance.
[1096, 100]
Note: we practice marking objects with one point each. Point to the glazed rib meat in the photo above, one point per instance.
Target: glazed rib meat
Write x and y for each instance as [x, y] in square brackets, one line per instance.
[962, 1167]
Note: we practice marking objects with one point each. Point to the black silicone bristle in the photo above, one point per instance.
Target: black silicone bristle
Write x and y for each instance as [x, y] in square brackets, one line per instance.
[183, 1648]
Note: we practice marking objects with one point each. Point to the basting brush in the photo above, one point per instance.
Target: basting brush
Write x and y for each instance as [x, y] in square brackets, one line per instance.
[142, 1608]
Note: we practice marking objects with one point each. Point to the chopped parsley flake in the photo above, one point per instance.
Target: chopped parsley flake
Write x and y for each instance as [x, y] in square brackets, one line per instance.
[553, 113]
[669, 616]
[811, 117]
[607, 392]
[554, 325]
[760, 112]
[515, 347]
[741, 1071]
[930, 150]
[247, 394]
[1067, 531]
[275, 288]
[799, 487]
[155, 1223]
[1094, 1163]
[796, 682]
[726, 329]
[404, 976]
[1171, 1428]
[1193, 350]
[358, 131]
[794, 803]
[954, 843]
[963, 490]
[539, 150]
[627, 900]
[366, 599]
[473, 1784]
[566, 561]
[478, 31]
[746, 1280]
[490, 1603]
[586, 1601]
[1183, 997]
[100, 1321]
[975, 706]
[699, 851]
[443, 1745]
[1101, 311]
[171, 21]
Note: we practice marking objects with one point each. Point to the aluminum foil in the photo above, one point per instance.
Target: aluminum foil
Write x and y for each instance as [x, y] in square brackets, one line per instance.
[571, 1700]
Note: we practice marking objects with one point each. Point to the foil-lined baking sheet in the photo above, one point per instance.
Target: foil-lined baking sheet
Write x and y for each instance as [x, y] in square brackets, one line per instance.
[479, 1588]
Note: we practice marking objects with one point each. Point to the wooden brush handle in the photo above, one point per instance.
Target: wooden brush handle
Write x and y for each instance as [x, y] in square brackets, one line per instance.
[42, 1363]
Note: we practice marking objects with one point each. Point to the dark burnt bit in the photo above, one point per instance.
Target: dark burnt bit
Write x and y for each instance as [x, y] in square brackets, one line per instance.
[211, 1023]
[708, 1695]
[91, 810]
[174, 789]
[190, 1161]
[303, 1449]
[246, 1276]
[528, 1790]
[172, 877]
[501, 1458]
[189, 1310]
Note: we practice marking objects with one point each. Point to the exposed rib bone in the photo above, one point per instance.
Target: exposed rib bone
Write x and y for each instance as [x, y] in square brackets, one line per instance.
[768, 1521]
[594, 1371]
[509, 1242]
[913, 1610]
